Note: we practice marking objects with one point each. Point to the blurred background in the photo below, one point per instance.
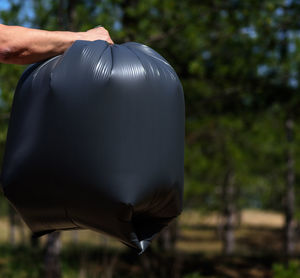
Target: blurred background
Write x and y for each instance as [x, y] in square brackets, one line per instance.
[239, 63]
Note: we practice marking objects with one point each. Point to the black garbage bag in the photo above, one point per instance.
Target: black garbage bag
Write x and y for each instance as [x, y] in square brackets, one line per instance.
[96, 141]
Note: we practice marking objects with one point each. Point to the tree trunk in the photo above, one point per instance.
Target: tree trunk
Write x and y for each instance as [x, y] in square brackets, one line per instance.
[168, 237]
[66, 15]
[22, 230]
[61, 15]
[163, 261]
[34, 242]
[289, 229]
[129, 21]
[228, 214]
[12, 226]
[74, 236]
[71, 13]
[52, 260]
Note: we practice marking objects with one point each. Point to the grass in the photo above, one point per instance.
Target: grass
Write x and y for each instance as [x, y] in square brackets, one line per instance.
[87, 254]
[198, 233]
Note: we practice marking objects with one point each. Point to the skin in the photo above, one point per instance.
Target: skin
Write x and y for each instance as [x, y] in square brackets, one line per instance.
[22, 45]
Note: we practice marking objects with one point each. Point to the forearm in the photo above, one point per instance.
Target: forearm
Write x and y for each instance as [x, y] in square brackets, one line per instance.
[21, 45]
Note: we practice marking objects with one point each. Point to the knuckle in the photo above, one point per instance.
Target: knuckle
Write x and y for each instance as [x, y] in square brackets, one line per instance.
[103, 29]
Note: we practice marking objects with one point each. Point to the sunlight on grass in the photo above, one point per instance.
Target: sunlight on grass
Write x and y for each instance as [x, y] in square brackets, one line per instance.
[198, 233]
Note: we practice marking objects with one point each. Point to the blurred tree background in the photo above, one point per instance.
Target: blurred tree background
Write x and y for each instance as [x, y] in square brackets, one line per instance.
[239, 63]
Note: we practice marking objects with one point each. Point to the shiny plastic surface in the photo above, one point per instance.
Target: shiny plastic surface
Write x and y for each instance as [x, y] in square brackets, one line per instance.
[96, 141]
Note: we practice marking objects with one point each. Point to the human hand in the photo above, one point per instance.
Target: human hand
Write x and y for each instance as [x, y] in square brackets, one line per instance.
[97, 33]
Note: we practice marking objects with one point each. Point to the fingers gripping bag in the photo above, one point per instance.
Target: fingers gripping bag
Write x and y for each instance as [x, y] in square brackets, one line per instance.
[96, 141]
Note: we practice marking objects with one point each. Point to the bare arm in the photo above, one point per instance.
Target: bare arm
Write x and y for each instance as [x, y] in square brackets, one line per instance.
[21, 45]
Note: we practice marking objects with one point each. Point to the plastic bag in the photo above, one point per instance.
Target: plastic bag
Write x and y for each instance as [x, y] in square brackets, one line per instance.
[96, 141]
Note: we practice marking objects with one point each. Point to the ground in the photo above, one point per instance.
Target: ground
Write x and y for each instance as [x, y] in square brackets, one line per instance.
[198, 250]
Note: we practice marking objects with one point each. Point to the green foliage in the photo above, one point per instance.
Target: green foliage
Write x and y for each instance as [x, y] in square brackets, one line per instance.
[193, 275]
[20, 262]
[290, 271]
